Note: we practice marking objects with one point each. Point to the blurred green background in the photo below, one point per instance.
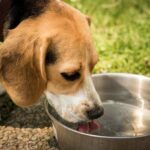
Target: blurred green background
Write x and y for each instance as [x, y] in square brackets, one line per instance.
[121, 32]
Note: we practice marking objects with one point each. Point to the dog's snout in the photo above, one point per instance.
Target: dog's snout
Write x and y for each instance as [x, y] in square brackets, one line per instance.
[95, 113]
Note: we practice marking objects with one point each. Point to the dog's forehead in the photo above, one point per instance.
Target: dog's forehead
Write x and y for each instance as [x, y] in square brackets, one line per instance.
[58, 21]
[68, 29]
[62, 18]
[65, 26]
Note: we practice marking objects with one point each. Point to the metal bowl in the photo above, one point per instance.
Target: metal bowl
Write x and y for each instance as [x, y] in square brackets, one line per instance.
[126, 122]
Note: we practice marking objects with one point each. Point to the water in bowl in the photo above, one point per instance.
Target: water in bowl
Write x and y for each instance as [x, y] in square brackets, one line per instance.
[123, 120]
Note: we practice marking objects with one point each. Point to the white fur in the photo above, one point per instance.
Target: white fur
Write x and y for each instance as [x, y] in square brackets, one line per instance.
[73, 107]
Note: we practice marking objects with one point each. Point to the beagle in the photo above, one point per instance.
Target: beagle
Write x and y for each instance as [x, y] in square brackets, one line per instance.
[48, 49]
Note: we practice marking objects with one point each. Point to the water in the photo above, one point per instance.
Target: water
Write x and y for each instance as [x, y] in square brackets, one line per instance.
[123, 120]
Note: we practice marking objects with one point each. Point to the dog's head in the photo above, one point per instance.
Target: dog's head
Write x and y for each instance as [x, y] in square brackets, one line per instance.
[49, 50]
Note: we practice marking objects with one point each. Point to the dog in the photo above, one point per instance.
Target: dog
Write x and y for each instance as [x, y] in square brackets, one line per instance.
[48, 49]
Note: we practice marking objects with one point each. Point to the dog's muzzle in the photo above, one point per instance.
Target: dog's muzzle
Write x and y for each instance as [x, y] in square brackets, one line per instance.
[82, 106]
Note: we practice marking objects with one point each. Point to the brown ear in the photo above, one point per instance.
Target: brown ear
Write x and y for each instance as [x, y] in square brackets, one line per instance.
[22, 70]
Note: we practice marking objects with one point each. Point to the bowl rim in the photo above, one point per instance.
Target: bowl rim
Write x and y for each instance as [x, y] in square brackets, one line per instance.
[122, 74]
[100, 136]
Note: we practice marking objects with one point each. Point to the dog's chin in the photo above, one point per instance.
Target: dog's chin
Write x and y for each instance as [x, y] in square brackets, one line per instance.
[65, 120]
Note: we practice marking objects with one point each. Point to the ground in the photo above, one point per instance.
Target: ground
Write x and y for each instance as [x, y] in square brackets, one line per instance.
[25, 129]
[121, 33]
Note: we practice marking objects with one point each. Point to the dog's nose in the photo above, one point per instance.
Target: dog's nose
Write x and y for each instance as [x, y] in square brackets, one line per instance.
[95, 113]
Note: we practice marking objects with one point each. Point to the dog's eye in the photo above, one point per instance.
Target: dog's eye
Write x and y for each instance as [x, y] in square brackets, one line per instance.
[50, 57]
[71, 76]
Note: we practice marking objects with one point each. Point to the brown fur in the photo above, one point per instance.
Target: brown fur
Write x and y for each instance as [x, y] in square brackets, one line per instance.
[23, 71]
[20, 71]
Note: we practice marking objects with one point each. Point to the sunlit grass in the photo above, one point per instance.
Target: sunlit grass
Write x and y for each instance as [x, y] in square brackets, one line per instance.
[121, 32]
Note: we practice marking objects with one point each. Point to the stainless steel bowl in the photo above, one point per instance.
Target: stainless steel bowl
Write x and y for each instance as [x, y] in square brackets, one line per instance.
[126, 122]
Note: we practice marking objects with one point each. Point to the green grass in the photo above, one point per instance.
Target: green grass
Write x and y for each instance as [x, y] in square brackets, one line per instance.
[121, 32]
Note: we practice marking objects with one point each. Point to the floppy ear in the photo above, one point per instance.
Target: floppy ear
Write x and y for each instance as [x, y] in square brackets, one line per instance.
[22, 70]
